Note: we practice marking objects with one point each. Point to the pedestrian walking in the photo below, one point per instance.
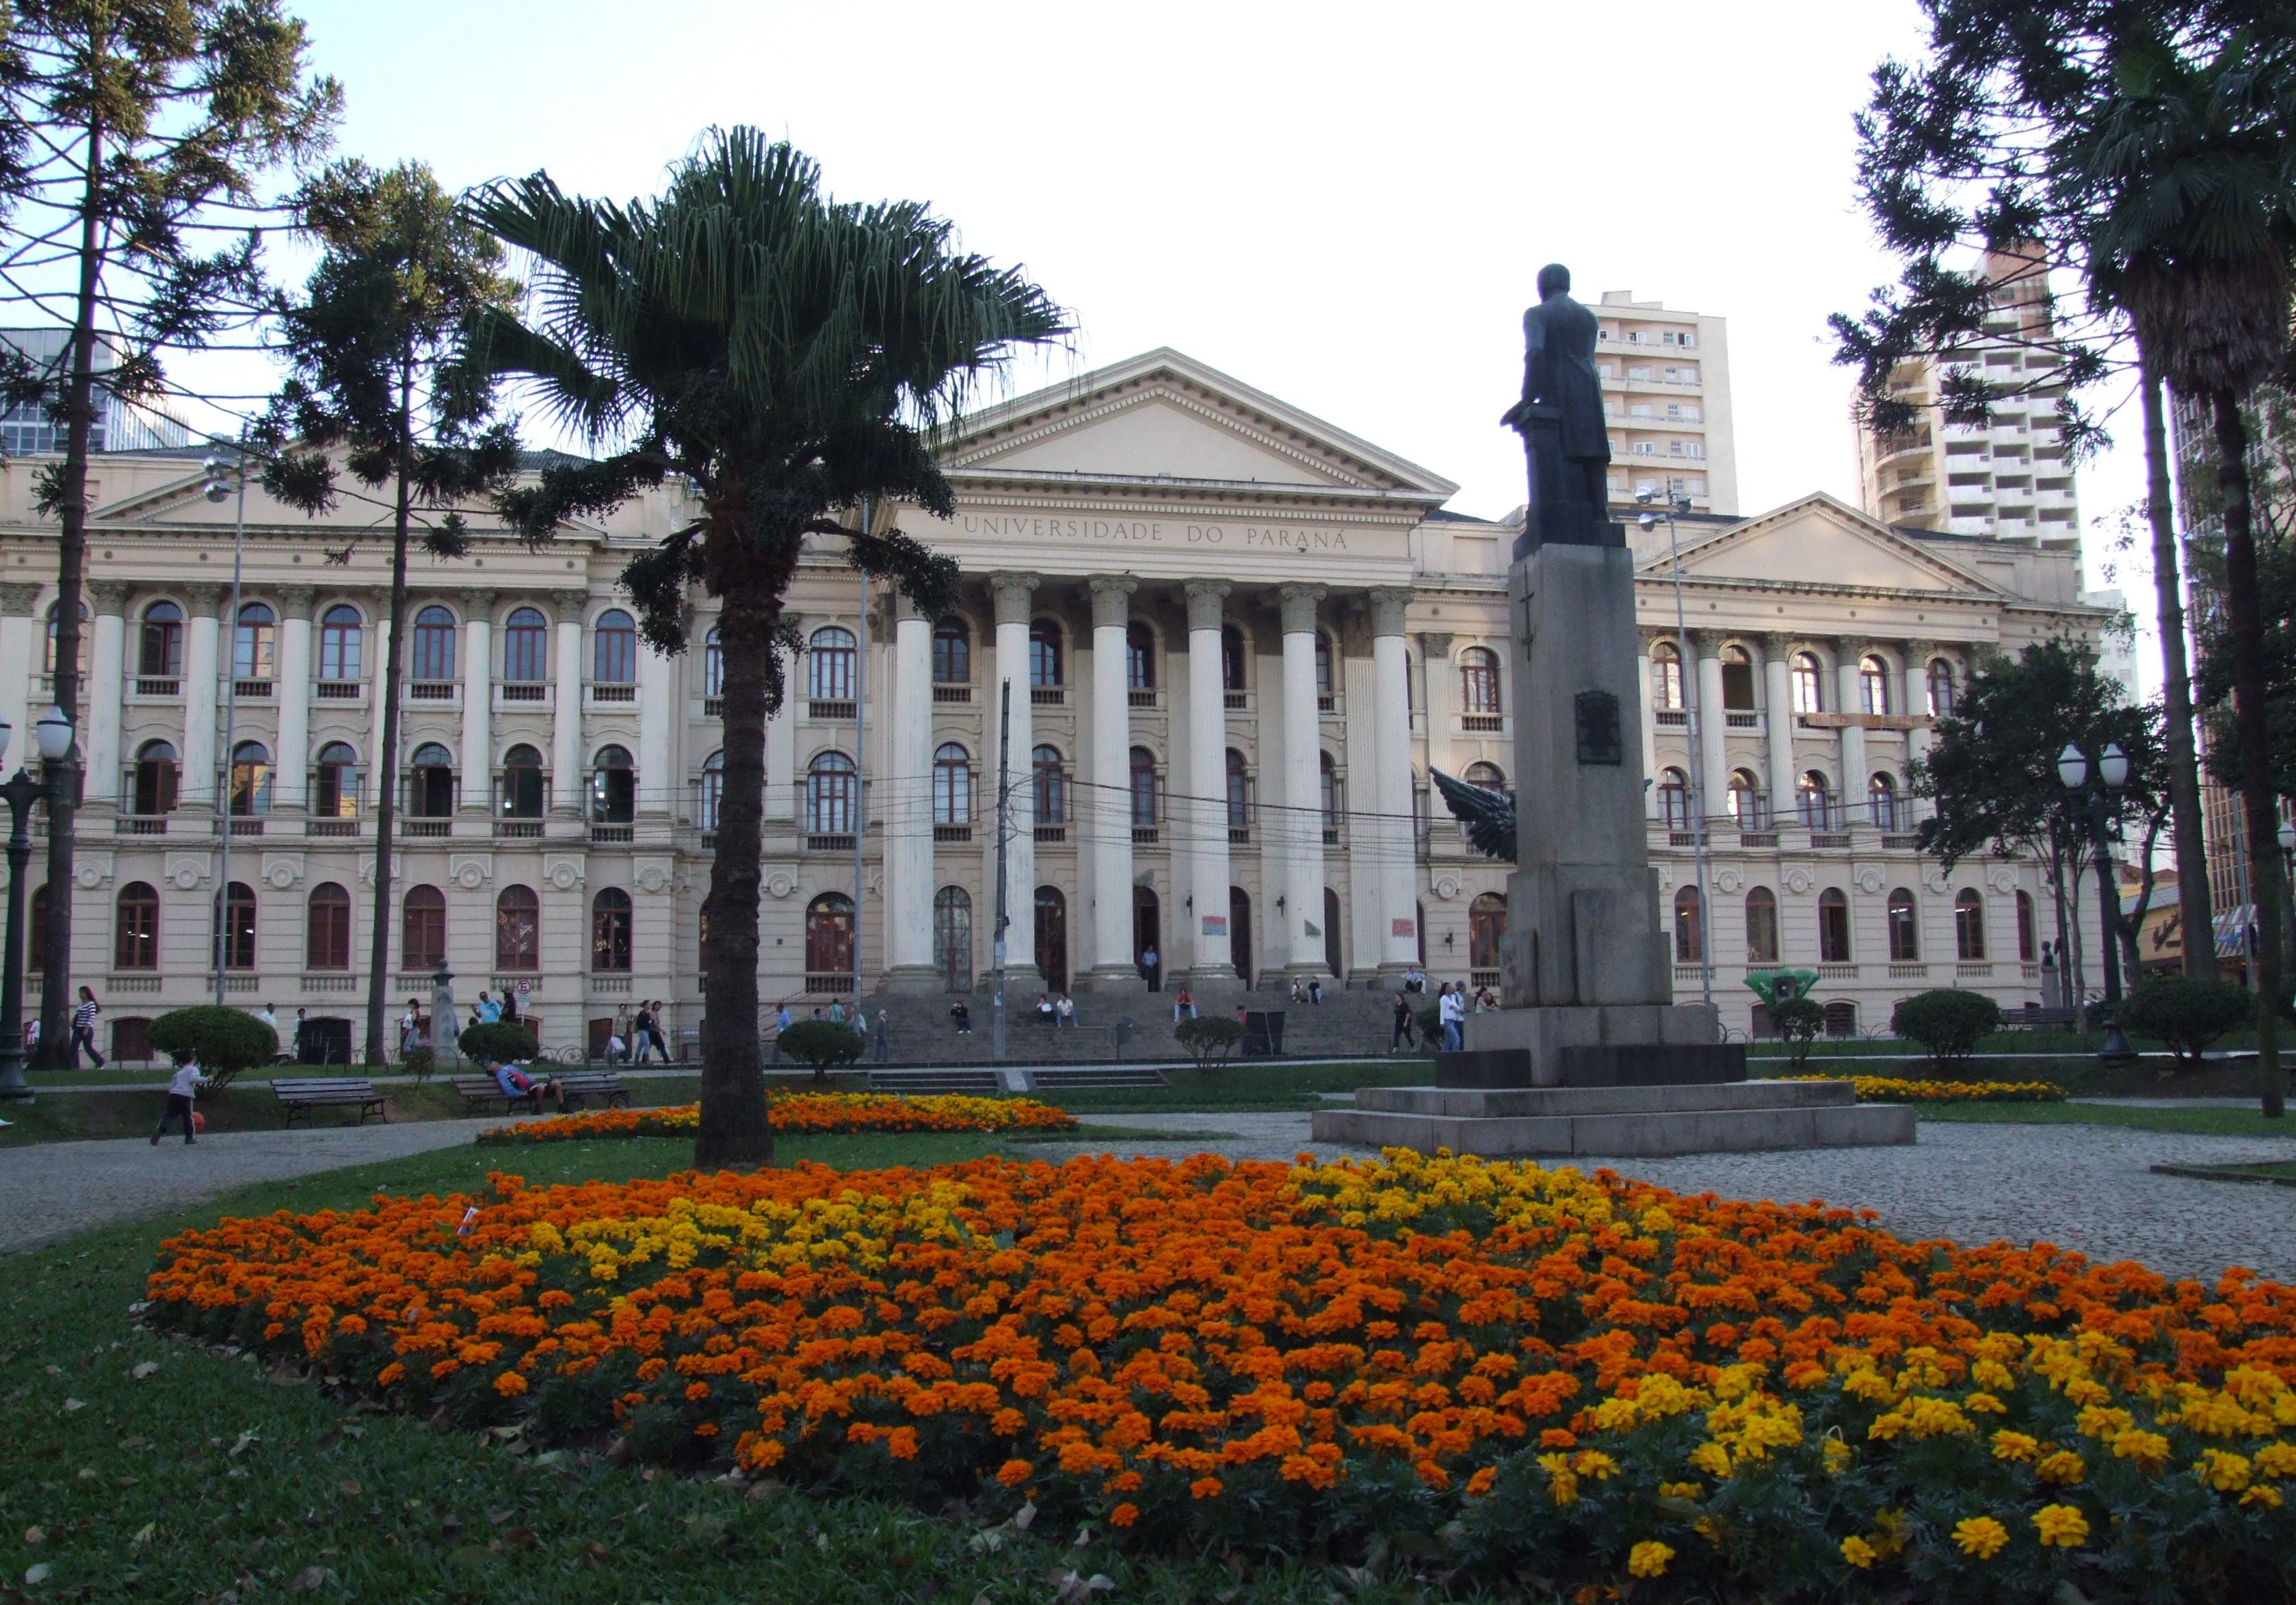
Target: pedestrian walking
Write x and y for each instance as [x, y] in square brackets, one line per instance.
[1451, 1009]
[83, 1029]
[1404, 1034]
[1153, 967]
[184, 1089]
[781, 1023]
[884, 1039]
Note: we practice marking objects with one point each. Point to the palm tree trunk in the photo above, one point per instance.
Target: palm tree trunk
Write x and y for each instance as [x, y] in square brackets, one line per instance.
[734, 1132]
[2243, 613]
[386, 761]
[2193, 914]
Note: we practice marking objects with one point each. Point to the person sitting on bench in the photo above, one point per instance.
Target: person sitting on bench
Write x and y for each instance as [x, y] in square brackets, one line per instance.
[516, 1083]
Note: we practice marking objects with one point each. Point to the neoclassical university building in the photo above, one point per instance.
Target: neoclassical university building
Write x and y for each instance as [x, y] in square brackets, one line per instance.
[1236, 637]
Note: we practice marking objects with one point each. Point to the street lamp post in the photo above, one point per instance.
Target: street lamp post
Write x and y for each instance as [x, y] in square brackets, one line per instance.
[2101, 785]
[1694, 716]
[53, 734]
[2287, 834]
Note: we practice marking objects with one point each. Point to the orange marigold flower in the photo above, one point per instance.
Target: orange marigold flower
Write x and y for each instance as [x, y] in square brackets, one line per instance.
[509, 1383]
[1125, 1514]
[1204, 1487]
[1012, 1473]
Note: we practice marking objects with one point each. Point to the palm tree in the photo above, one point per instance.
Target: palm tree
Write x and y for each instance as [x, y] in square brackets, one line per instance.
[791, 358]
[2199, 156]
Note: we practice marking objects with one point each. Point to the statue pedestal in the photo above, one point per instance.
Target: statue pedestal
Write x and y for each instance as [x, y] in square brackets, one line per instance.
[1621, 1121]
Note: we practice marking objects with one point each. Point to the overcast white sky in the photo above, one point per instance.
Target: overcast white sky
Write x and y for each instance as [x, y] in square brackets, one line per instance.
[1343, 205]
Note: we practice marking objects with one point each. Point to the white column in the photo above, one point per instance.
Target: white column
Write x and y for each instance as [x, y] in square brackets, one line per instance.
[784, 797]
[1395, 855]
[905, 791]
[1917, 738]
[1105, 816]
[1015, 594]
[1208, 779]
[478, 699]
[1301, 826]
[375, 661]
[197, 789]
[566, 719]
[1778, 722]
[290, 779]
[106, 663]
[17, 603]
[1646, 683]
[657, 785]
[1713, 725]
[1853, 736]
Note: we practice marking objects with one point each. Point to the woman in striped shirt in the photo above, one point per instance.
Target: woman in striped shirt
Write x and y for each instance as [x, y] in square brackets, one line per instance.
[83, 1029]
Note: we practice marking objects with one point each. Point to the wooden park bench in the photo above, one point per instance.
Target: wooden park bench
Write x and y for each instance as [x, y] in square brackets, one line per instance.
[481, 1090]
[2031, 1018]
[302, 1095]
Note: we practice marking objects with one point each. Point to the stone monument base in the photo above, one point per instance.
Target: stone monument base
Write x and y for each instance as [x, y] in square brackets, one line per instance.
[1594, 1045]
[1623, 1122]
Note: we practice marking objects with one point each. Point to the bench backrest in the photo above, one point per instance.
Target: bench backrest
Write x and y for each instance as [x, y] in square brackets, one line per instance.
[292, 1088]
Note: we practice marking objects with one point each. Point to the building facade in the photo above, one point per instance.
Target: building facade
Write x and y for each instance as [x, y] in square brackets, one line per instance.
[1213, 645]
[1666, 393]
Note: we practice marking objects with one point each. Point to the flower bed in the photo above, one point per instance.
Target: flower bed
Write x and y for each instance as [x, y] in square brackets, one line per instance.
[1519, 1373]
[1897, 1089]
[803, 1114]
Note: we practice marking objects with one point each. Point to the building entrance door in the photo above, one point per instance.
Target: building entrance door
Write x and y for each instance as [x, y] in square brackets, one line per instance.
[1052, 937]
[1239, 933]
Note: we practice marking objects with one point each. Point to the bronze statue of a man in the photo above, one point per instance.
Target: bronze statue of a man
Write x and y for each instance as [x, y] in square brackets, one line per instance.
[1561, 419]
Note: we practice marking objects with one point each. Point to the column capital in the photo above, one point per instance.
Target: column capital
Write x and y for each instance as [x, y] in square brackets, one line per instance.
[1015, 595]
[107, 595]
[572, 605]
[1207, 603]
[1112, 600]
[1919, 653]
[17, 599]
[1435, 643]
[204, 599]
[1387, 605]
[1706, 643]
[1298, 607]
[295, 600]
[479, 603]
[904, 609]
[1852, 648]
[1777, 646]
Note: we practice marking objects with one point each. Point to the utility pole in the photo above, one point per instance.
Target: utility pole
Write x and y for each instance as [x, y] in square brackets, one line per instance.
[1694, 717]
[860, 764]
[1004, 832]
[215, 492]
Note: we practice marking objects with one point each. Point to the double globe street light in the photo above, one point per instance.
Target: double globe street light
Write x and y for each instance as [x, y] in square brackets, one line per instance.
[53, 736]
[2100, 784]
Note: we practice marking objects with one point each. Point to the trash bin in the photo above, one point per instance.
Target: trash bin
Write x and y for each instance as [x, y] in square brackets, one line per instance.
[1263, 1033]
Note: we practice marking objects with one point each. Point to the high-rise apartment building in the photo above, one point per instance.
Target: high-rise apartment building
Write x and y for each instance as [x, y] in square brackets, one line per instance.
[28, 429]
[1666, 390]
[2004, 479]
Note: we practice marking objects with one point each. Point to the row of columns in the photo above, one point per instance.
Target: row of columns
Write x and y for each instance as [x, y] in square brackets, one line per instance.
[1291, 858]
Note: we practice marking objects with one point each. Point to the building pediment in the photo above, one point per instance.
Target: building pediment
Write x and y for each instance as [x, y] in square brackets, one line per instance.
[1819, 540]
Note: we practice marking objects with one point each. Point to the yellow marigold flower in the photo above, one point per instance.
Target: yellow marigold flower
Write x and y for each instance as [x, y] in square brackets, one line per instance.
[1595, 1463]
[1887, 1426]
[2014, 1446]
[2061, 1525]
[1683, 1490]
[1649, 1558]
[1838, 1455]
[2098, 1423]
[1985, 1404]
[1869, 1384]
[2225, 1472]
[1712, 1459]
[2149, 1450]
[1860, 1553]
[2263, 1493]
[2064, 1467]
[1979, 1536]
[2277, 1459]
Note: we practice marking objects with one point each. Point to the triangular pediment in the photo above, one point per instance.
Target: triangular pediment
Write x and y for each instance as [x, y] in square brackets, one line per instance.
[1821, 541]
[1163, 418]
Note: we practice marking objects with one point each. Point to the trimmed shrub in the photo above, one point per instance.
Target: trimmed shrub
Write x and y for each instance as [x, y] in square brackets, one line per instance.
[1946, 1020]
[420, 1063]
[1210, 1039]
[2186, 1013]
[822, 1044]
[497, 1041]
[223, 1041]
[1430, 1025]
[1797, 1021]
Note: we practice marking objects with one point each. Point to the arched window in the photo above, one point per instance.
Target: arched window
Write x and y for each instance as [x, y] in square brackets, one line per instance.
[422, 930]
[1882, 801]
[1232, 658]
[1745, 801]
[1239, 797]
[2026, 946]
[434, 645]
[1873, 685]
[610, 932]
[327, 928]
[952, 653]
[237, 929]
[1969, 926]
[1143, 789]
[1478, 681]
[1052, 785]
[1666, 675]
[1689, 936]
[1905, 930]
[952, 793]
[953, 937]
[613, 649]
[48, 663]
[135, 928]
[713, 663]
[1942, 688]
[1673, 799]
[829, 936]
[159, 654]
[1139, 657]
[1833, 926]
[430, 782]
[1328, 776]
[1814, 799]
[341, 637]
[518, 929]
[1761, 925]
[155, 778]
[1808, 684]
[613, 788]
[1485, 774]
[255, 645]
[1486, 925]
[1327, 679]
[250, 778]
[522, 783]
[335, 783]
[829, 666]
[713, 793]
[1045, 653]
[1737, 679]
[829, 783]
[525, 647]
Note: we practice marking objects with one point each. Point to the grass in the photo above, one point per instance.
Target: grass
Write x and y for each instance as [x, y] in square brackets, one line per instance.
[2210, 1121]
[211, 1474]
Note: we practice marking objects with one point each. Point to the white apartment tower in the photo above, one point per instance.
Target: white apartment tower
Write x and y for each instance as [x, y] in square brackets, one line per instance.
[1666, 390]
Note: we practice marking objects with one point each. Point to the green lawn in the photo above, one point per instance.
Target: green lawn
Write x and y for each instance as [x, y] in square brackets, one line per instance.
[2212, 1121]
[211, 1474]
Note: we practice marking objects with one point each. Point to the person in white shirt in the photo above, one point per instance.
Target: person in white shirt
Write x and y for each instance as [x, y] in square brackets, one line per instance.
[1452, 1011]
[182, 1088]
